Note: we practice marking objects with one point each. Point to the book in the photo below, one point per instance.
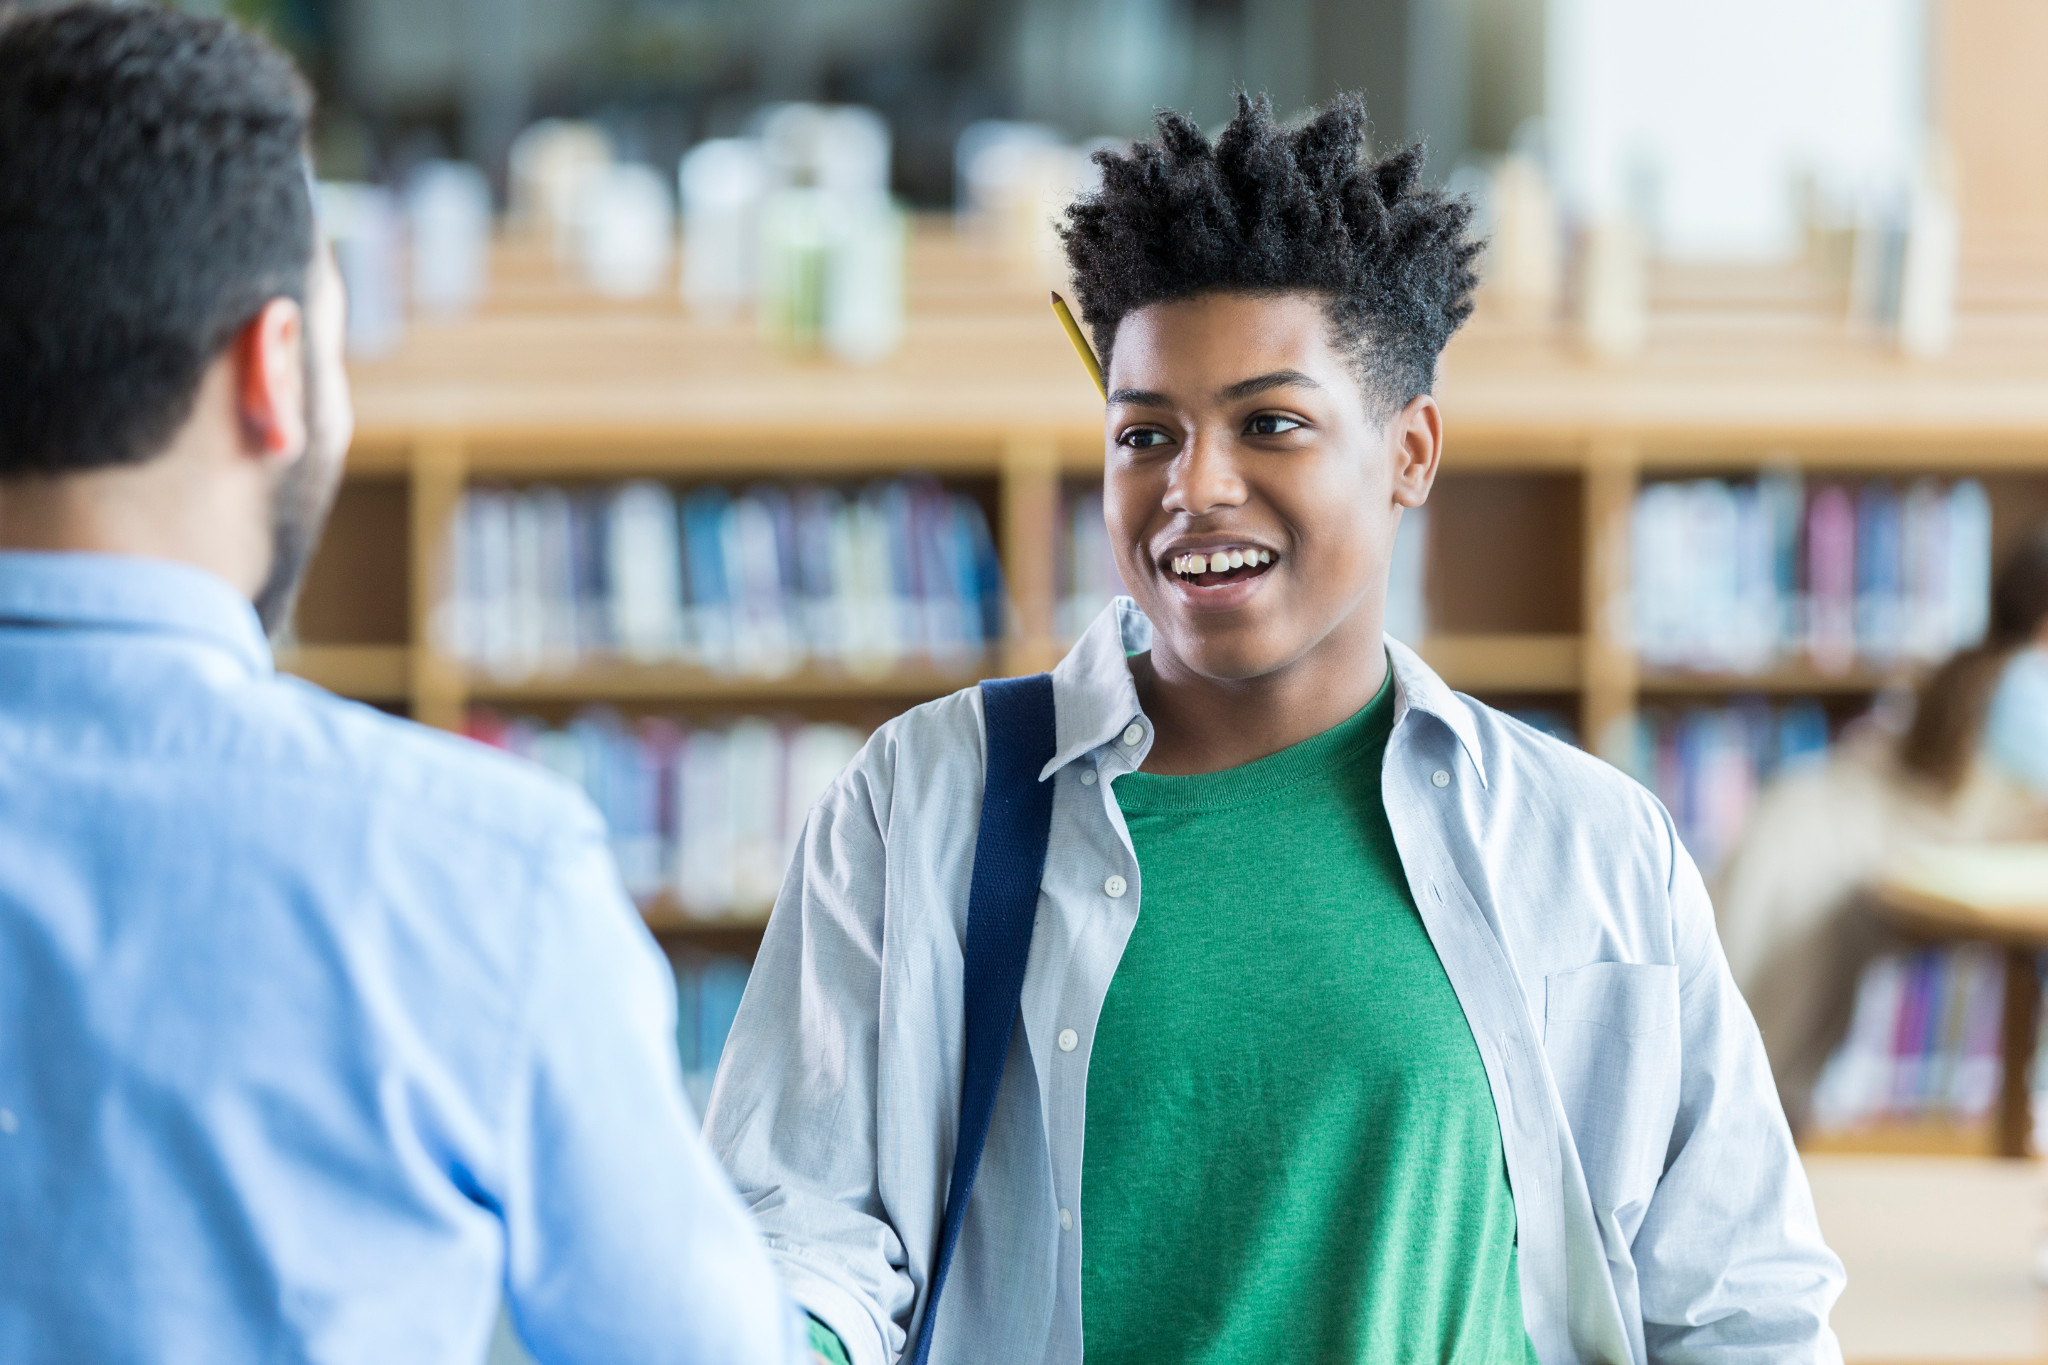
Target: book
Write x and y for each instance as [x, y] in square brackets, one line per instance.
[702, 816]
[709, 989]
[757, 584]
[1738, 575]
[1088, 576]
[1708, 764]
[1923, 1041]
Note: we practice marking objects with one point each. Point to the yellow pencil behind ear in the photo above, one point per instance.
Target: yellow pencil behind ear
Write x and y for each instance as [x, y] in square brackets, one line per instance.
[1081, 346]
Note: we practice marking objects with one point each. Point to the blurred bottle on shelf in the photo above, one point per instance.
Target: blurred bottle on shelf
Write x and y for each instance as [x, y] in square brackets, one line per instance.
[1613, 303]
[1013, 180]
[368, 233]
[552, 164]
[1905, 261]
[798, 224]
[865, 269]
[721, 182]
[1932, 260]
[1522, 277]
[448, 212]
[624, 230]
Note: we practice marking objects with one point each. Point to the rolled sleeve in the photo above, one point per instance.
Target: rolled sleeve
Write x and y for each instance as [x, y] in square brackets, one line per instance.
[794, 1112]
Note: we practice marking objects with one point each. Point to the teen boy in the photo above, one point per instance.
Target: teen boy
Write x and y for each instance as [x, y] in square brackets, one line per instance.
[1422, 1047]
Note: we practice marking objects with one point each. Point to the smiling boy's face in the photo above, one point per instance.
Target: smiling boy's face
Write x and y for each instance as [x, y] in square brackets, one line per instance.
[1252, 490]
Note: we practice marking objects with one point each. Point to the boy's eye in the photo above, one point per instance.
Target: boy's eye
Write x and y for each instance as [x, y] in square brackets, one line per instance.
[1144, 438]
[1270, 424]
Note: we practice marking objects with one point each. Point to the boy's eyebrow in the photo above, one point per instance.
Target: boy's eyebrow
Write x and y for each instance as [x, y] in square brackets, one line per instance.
[1142, 398]
[1278, 379]
[1243, 388]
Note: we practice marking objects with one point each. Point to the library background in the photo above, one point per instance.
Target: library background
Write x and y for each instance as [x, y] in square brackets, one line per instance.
[711, 414]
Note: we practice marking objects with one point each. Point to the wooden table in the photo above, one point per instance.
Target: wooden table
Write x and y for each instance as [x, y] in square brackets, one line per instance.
[1993, 893]
[1939, 1252]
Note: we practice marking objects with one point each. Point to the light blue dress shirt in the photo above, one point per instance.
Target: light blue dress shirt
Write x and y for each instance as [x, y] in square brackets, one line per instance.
[320, 1031]
[1662, 1214]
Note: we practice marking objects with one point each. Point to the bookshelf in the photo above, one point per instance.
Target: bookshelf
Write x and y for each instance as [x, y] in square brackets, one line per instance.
[1529, 553]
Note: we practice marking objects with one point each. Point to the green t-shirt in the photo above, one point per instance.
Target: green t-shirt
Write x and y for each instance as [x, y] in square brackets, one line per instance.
[1291, 1152]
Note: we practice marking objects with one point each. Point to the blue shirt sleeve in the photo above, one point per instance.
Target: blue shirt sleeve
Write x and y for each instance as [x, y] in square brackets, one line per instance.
[625, 1242]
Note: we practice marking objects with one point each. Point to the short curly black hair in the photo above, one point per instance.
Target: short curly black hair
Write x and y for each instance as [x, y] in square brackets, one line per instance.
[1267, 210]
[153, 197]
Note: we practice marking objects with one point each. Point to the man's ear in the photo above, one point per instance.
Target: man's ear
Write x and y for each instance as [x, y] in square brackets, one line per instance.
[1416, 434]
[270, 382]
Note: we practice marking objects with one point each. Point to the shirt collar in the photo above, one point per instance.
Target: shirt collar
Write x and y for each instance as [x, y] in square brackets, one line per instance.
[130, 593]
[1094, 697]
[1417, 687]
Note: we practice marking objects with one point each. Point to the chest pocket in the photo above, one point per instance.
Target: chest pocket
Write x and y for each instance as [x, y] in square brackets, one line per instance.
[1611, 1033]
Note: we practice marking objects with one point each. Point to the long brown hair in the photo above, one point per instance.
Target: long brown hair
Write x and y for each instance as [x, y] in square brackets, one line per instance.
[1948, 720]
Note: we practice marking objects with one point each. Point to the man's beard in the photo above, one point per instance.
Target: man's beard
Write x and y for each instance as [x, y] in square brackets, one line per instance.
[298, 512]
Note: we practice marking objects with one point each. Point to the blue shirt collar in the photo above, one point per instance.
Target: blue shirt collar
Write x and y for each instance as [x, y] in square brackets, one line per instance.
[77, 591]
[1096, 699]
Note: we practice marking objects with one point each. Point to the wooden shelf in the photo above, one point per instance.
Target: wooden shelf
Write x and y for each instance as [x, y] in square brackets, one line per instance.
[1530, 663]
[1923, 1137]
[624, 682]
[1785, 679]
[1507, 663]
[548, 376]
[380, 673]
[1745, 369]
[738, 931]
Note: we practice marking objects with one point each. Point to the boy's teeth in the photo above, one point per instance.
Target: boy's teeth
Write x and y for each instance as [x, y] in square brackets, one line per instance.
[1219, 561]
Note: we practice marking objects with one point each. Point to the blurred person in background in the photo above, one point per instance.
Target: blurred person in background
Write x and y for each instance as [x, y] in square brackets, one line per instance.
[1970, 765]
[320, 1033]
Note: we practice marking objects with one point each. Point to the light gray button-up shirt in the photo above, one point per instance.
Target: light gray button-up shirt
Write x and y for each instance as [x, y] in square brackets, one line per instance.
[1661, 1210]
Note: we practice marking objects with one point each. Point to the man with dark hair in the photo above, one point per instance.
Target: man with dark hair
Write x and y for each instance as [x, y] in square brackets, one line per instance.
[1422, 1049]
[319, 1032]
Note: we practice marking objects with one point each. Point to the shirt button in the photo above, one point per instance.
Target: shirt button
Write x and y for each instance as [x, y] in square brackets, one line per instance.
[1440, 778]
[1066, 1220]
[1133, 733]
[1069, 1040]
[1088, 777]
[1115, 887]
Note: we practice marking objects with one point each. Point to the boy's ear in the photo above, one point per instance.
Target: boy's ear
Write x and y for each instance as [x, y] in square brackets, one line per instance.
[1415, 437]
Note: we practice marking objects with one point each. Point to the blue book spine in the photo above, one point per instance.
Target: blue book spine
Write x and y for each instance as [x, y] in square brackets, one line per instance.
[1880, 551]
[689, 1013]
[709, 599]
[721, 987]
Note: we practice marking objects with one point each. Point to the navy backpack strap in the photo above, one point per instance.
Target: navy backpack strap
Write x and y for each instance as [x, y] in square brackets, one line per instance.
[1002, 901]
